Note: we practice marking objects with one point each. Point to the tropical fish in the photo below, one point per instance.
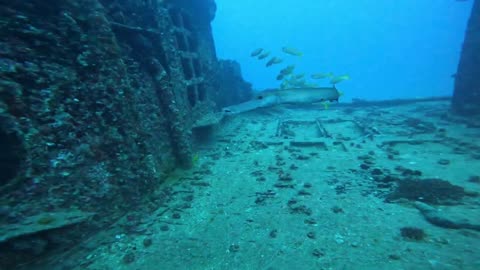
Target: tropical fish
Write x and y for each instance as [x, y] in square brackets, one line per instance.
[338, 79]
[299, 76]
[263, 55]
[285, 96]
[284, 84]
[292, 51]
[317, 76]
[256, 52]
[274, 60]
[287, 70]
[326, 105]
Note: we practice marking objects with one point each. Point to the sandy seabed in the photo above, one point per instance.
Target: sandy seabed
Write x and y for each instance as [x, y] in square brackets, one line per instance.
[309, 188]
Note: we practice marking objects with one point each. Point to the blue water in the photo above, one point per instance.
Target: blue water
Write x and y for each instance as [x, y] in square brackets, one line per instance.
[390, 49]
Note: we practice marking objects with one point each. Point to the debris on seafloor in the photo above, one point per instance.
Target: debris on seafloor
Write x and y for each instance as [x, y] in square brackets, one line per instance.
[412, 233]
[450, 217]
[42, 222]
[430, 190]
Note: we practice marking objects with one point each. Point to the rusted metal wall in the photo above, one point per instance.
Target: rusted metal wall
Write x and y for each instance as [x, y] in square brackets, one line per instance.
[97, 103]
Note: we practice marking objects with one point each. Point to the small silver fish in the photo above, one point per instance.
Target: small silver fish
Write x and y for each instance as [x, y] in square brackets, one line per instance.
[256, 52]
[263, 55]
[273, 61]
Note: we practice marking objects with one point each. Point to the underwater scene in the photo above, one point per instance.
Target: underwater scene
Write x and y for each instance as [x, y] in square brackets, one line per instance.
[254, 134]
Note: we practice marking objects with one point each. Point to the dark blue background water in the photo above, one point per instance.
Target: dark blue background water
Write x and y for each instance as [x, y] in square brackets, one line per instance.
[390, 49]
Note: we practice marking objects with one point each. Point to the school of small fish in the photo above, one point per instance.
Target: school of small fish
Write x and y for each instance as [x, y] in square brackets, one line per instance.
[287, 76]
